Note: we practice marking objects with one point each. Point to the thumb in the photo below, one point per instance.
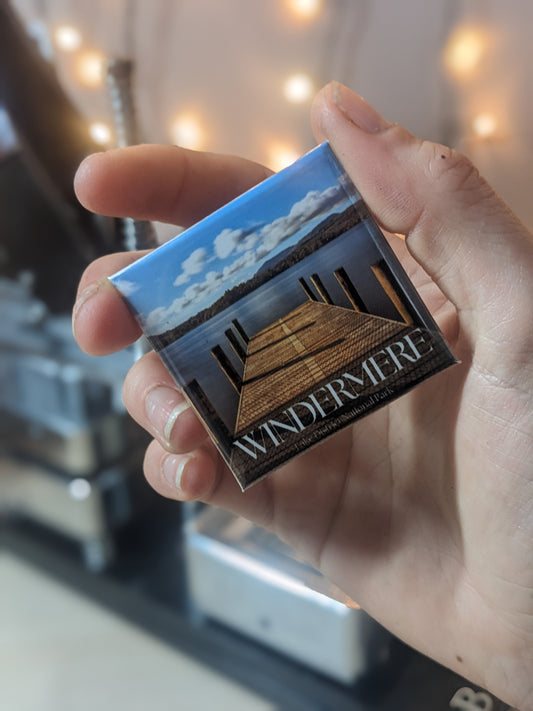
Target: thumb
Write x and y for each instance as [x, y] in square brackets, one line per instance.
[457, 228]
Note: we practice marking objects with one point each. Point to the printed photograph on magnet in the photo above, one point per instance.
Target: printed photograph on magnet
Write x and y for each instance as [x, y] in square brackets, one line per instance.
[284, 316]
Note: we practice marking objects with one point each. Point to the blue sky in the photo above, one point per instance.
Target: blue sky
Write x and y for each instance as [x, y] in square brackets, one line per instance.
[192, 271]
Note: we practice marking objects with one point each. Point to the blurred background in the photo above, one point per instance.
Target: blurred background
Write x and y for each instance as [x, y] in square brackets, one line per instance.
[111, 595]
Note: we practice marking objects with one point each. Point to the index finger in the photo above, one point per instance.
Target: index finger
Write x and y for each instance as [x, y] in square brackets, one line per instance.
[151, 182]
[164, 183]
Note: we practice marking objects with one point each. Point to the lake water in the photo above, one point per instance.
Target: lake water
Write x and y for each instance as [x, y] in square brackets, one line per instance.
[190, 358]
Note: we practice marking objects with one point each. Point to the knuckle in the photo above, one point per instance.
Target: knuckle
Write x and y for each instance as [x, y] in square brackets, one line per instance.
[452, 169]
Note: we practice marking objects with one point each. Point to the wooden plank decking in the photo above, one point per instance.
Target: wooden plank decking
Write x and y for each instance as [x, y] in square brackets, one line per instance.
[300, 351]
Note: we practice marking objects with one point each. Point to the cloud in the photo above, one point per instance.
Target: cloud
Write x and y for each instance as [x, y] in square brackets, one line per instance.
[266, 238]
[309, 207]
[194, 264]
[246, 260]
[163, 317]
[229, 241]
[249, 247]
[126, 287]
[248, 243]
[226, 242]
[213, 278]
[192, 292]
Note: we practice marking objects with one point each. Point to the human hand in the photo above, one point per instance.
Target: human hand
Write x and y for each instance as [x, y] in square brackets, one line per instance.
[422, 511]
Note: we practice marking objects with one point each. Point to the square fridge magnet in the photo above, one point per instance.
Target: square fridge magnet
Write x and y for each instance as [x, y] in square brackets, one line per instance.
[284, 316]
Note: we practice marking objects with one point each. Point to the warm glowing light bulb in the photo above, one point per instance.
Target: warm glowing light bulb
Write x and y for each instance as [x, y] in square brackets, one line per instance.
[90, 69]
[281, 155]
[485, 125]
[100, 133]
[187, 131]
[306, 9]
[298, 88]
[67, 38]
[464, 51]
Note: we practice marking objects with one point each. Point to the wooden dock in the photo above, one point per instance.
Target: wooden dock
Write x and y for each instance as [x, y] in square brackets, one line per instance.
[299, 351]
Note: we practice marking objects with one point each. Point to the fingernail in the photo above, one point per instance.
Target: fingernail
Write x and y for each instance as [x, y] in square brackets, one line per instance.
[173, 469]
[357, 110]
[82, 299]
[163, 406]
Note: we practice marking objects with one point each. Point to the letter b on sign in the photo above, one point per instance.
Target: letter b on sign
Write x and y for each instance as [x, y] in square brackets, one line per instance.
[469, 700]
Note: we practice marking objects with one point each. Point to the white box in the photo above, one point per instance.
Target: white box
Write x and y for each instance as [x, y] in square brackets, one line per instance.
[245, 578]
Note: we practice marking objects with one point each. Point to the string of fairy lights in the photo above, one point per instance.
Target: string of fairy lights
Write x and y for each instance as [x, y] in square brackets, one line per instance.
[88, 66]
[463, 55]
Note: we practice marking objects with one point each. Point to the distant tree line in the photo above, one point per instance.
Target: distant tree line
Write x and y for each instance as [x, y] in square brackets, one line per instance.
[331, 228]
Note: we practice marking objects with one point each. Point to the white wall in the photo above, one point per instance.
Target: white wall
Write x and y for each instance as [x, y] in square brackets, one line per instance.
[226, 61]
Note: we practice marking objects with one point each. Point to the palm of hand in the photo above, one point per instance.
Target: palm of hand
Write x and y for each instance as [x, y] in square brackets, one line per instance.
[399, 510]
